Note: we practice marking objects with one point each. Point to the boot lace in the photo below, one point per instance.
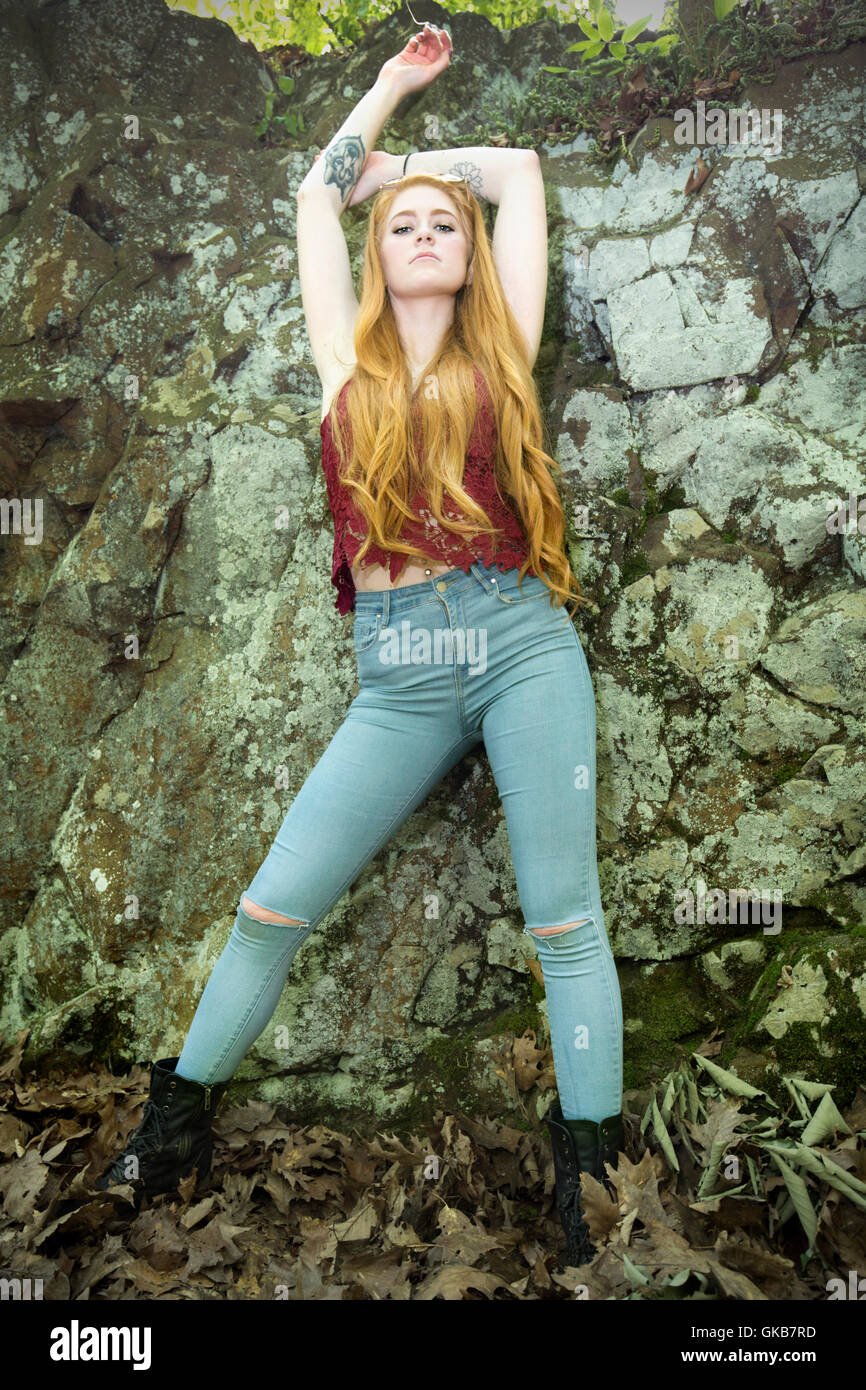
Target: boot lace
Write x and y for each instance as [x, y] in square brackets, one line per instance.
[577, 1232]
[149, 1138]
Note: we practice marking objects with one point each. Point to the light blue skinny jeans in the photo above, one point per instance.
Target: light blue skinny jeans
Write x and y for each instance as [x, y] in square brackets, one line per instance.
[443, 665]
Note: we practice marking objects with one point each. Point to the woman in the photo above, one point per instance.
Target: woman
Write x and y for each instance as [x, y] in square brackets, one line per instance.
[448, 542]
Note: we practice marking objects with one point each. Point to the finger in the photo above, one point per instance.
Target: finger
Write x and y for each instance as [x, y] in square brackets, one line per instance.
[443, 36]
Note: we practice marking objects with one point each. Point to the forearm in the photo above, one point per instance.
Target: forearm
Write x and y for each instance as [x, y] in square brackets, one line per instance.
[487, 167]
[336, 173]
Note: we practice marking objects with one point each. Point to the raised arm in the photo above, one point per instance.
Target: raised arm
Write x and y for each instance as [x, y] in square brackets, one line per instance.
[327, 289]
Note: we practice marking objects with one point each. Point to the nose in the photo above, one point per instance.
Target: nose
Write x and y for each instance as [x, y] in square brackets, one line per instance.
[423, 242]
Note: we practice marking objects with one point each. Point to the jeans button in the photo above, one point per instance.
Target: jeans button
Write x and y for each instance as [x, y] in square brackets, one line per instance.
[441, 586]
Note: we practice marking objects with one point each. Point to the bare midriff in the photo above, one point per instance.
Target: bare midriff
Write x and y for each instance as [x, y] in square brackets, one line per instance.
[378, 577]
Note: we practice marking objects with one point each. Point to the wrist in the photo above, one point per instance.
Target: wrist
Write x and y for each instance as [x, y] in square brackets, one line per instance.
[388, 88]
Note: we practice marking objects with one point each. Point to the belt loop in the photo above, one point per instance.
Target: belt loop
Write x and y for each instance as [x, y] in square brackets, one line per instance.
[386, 595]
[481, 577]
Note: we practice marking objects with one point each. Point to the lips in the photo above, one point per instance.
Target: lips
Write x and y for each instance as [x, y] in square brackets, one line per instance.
[421, 256]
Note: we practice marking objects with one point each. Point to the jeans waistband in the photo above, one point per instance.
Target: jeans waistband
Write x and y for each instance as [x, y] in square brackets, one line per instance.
[370, 602]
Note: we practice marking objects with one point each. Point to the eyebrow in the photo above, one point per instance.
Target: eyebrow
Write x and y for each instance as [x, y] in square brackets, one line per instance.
[410, 212]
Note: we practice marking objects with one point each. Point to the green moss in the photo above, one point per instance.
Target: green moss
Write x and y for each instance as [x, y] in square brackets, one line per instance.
[674, 1017]
[665, 1007]
[652, 505]
[752, 392]
[514, 1021]
[784, 772]
[816, 342]
[452, 1057]
[796, 1050]
[763, 991]
[342, 930]
[838, 906]
[446, 1075]
[633, 568]
[673, 498]
[586, 374]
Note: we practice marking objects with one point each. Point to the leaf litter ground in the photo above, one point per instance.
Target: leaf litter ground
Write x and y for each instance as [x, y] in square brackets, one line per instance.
[721, 1193]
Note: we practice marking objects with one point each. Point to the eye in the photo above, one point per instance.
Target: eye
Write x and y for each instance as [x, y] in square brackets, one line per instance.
[446, 225]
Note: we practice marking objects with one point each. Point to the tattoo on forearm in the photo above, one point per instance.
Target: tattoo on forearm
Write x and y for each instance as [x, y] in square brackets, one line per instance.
[471, 172]
[344, 163]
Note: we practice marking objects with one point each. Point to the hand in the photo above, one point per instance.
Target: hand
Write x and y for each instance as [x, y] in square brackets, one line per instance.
[420, 63]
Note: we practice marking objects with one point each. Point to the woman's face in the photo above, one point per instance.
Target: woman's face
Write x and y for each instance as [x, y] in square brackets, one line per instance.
[424, 250]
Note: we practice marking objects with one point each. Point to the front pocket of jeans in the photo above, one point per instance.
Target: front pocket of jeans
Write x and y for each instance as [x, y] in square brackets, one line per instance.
[515, 596]
[365, 632]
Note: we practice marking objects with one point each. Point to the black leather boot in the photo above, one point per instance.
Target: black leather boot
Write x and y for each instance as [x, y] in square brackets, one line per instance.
[580, 1146]
[174, 1135]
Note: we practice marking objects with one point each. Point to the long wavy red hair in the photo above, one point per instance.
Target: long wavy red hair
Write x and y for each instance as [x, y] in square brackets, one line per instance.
[384, 467]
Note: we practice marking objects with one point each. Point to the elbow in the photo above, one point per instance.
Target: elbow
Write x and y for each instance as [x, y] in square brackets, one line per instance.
[312, 179]
[314, 188]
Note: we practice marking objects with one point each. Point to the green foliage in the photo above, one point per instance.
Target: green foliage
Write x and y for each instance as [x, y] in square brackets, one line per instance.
[269, 24]
[611, 98]
[600, 35]
[614, 88]
[292, 121]
[307, 25]
[702, 1105]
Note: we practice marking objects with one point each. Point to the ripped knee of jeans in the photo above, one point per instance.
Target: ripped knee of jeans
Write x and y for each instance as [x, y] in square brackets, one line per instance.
[267, 914]
[557, 931]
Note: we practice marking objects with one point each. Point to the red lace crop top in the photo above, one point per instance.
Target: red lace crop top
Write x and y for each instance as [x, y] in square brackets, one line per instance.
[445, 547]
